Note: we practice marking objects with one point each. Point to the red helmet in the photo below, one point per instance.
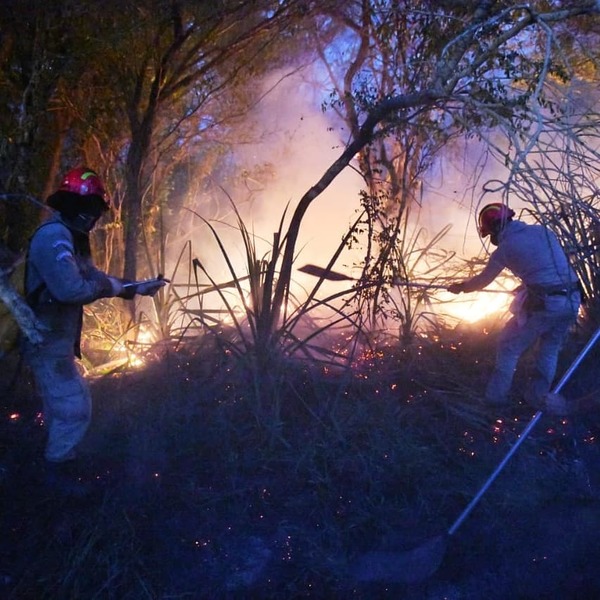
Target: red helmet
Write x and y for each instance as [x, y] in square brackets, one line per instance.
[493, 215]
[85, 182]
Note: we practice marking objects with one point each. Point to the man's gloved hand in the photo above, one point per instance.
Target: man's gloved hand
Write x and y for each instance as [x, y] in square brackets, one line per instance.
[124, 288]
[150, 287]
[456, 288]
[129, 289]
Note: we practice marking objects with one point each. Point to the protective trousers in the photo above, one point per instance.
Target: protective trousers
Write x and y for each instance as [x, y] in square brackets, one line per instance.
[548, 327]
[66, 400]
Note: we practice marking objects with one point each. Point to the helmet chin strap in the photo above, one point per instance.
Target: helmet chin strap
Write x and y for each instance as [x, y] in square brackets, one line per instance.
[495, 234]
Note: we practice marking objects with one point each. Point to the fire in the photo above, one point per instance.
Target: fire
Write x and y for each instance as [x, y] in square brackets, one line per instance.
[131, 351]
[476, 306]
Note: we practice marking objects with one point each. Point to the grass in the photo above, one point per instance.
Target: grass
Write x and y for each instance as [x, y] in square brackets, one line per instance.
[203, 492]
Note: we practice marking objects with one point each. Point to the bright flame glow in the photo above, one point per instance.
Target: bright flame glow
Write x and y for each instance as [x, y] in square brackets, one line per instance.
[477, 305]
[127, 349]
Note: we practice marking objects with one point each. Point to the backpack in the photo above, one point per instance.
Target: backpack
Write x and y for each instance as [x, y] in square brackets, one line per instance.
[12, 285]
[16, 315]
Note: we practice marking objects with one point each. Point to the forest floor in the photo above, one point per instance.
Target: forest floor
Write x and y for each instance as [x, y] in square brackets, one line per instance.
[201, 479]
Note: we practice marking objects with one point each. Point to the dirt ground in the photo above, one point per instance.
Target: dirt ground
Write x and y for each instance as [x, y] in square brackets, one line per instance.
[192, 503]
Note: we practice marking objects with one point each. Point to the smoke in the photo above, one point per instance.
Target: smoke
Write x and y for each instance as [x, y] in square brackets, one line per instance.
[298, 143]
[456, 189]
[303, 142]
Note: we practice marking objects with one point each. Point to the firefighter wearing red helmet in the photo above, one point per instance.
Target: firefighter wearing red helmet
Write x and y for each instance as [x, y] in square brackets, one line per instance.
[60, 279]
[80, 199]
[492, 219]
[84, 182]
[544, 309]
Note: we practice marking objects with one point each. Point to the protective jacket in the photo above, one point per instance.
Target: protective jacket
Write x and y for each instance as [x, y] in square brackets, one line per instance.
[60, 280]
[533, 254]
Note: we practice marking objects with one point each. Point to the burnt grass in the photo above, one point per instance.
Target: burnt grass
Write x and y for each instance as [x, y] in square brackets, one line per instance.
[209, 476]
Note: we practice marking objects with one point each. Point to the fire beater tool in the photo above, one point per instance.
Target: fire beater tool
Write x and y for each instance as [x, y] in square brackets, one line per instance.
[135, 284]
[337, 276]
[420, 563]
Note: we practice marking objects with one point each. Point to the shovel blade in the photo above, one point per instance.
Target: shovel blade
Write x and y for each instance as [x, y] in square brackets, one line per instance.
[410, 566]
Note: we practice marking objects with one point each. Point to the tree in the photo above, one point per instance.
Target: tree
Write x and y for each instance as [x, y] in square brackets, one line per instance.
[133, 83]
[184, 54]
[388, 44]
[443, 69]
[462, 85]
[34, 54]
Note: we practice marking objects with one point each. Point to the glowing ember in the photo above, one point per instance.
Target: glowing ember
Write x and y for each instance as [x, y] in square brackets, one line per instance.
[131, 350]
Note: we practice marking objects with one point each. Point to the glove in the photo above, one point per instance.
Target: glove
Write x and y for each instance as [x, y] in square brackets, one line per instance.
[128, 289]
[150, 287]
[456, 288]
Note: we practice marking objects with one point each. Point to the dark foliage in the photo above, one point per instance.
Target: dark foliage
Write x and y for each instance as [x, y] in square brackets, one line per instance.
[193, 487]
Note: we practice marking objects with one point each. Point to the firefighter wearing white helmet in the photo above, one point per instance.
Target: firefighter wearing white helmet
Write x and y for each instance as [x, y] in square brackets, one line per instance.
[543, 311]
[60, 280]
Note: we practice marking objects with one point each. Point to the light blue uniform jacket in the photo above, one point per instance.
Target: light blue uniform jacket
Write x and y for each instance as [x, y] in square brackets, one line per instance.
[59, 282]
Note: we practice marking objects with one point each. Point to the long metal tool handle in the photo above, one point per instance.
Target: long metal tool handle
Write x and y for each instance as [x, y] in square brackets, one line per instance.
[436, 286]
[576, 362]
[330, 275]
[465, 513]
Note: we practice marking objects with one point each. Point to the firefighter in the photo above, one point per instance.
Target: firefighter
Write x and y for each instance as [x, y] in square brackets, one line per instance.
[544, 309]
[60, 279]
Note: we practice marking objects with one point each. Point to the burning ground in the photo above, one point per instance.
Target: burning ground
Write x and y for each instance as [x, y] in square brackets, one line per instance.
[207, 477]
